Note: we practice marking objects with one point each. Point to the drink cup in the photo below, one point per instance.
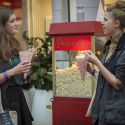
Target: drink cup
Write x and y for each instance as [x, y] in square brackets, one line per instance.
[25, 56]
[82, 64]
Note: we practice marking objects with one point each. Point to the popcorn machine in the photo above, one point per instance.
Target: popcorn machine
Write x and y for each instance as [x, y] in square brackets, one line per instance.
[71, 94]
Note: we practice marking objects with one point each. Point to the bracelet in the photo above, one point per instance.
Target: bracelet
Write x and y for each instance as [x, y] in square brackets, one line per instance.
[92, 72]
[5, 75]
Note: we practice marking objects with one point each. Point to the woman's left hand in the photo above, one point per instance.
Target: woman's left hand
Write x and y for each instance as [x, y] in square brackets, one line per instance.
[92, 58]
[34, 53]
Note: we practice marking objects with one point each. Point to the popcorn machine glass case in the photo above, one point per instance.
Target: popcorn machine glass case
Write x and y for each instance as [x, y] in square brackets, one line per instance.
[71, 39]
[68, 80]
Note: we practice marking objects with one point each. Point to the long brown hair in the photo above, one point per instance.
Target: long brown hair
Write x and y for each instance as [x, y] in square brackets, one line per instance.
[9, 46]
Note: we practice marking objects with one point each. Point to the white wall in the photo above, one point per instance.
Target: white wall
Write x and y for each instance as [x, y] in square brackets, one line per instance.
[56, 10]
[90, 8]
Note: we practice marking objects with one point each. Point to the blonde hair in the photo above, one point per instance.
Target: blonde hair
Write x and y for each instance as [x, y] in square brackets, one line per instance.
[117, 10]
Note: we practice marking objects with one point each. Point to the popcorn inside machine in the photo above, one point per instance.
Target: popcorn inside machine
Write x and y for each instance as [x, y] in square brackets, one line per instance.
[73, 86]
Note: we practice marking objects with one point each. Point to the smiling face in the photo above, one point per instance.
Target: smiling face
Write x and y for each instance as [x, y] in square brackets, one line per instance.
[12, 25]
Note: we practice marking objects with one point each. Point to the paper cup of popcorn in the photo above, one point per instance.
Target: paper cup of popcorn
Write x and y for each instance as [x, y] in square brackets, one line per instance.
[25, 56]
[82, 64]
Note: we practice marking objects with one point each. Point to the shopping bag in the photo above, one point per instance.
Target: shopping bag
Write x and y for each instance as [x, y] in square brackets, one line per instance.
[5, 118]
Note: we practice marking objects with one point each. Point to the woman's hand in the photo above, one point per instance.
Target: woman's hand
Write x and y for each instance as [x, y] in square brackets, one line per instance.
[105, 72]
[23, 67]
[34, 53]
[92, 58]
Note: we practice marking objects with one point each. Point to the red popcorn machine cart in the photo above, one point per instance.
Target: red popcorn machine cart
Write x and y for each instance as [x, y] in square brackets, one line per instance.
[71, 93]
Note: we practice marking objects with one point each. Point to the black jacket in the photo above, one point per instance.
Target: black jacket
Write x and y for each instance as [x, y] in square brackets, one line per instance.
[105, 93]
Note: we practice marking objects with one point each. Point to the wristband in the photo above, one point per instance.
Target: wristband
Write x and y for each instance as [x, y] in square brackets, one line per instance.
[5, 75]
[92, 72]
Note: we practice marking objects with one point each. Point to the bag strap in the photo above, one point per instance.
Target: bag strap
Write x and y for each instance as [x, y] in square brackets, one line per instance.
[1, 107]
[4, 100]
